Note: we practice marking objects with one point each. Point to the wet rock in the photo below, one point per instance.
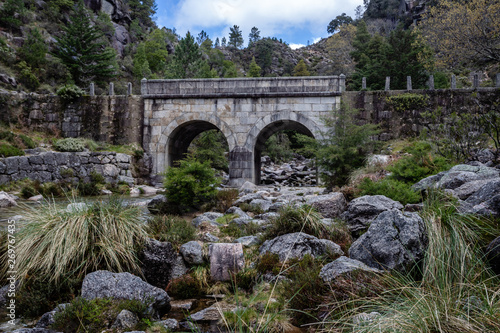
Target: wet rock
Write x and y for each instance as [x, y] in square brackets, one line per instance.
[158, 260]
[361, 211]
[298, 244]
[225, 258]
[36, 198]
[212, 313]
[394, 240]
[105, 284]
[344, 266]
[192, 253]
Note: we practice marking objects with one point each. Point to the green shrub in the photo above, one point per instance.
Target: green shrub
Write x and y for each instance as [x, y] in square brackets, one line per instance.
[88, 189]
[57, 243]
[7, 136]
[96, 315]
[70, 92]
[69, 145]
[278, 148]
[211, 146]
[420, 164]
[27, 77]
[268, 263]
[190, 184]
[27, 141]
[171, 229]
[236, 231]
[7, 150]
[394, 189]
[408, 101]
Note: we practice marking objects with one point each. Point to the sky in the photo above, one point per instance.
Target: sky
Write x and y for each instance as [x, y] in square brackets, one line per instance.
[297, 22]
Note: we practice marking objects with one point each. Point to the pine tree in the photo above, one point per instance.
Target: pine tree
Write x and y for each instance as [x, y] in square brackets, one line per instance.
[11, 14]
[254, 70]
[301, 69]
[188, 62]
[254, 36]
[143, 10]
[223, 44]
[141, 64]
[235, 37]
[82, 50]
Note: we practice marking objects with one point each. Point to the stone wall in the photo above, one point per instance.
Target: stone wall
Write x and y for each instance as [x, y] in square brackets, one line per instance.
[112, 119]
[71, 167]
[375, 108]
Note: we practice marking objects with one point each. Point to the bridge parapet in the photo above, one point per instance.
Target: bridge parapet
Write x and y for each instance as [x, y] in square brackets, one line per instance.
[316, 86]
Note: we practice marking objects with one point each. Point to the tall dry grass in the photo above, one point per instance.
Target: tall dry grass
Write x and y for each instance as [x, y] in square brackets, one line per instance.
[57, 243]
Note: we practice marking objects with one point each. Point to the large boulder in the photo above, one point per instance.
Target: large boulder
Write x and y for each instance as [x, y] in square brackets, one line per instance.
[298, 244]
[361, 211]
[105, 284]
[158, 260]
[344, 266]
[209, 217]
[329, 205]
[394, 240]
[47, 318]
[493, 254]
[457, 176]
[484, 201]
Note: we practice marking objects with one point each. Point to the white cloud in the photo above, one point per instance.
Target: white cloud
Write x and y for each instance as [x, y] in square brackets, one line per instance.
[296, 46]
[270, 16]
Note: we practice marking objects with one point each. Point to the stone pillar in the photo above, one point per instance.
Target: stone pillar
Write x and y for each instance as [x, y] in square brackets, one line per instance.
[144, 89]
[453, 81]
[342, 83]
[497, 81]
[387, 83]
[92, 89]
[225, 260]
[363, 83]
[129, 89]
[111, 89]
[475, 81]
[408, 83]
[430, 83]
[241, 167]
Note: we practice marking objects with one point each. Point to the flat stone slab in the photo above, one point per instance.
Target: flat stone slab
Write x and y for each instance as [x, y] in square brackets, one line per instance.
[225, 258]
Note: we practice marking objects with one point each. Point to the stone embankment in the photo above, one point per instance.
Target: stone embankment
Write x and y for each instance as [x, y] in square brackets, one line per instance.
[72, 167]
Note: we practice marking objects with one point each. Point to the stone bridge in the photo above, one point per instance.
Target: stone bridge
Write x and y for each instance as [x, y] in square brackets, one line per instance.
[246, 111]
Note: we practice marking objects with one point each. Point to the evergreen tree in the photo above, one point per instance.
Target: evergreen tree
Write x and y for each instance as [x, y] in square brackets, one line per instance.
[254, 70]
[143, 10]
[187, 61]
[34, 49]
[235, 37]
[202, 36]
[217, 42]
[230, 69]
[254, 36]
[82, 50]
[223, 43]
[301, 69]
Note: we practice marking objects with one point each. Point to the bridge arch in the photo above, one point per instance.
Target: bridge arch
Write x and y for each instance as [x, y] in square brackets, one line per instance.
[276, 122]
[176, 137]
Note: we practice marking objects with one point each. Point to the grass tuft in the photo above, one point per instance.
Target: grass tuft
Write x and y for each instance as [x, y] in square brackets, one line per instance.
[57, 243]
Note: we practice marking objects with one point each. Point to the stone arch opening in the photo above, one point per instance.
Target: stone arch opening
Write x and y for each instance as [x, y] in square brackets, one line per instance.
[269, 130]
[181, 138]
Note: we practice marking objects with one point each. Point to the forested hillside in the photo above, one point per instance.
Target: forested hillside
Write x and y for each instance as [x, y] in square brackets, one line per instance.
[47, 44]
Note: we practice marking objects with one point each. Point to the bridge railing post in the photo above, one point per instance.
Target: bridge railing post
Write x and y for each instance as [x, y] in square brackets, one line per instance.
[408, 83]
[497, 81]
[144, 88]
[430, 83]
[92, 89]
[475, 81]
[453, 81]
[129, 88]
[387, 83]
[342, 83]
[111, 89]
[363, 83]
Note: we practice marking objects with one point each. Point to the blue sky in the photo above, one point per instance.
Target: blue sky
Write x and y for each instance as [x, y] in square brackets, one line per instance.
[295, 21]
